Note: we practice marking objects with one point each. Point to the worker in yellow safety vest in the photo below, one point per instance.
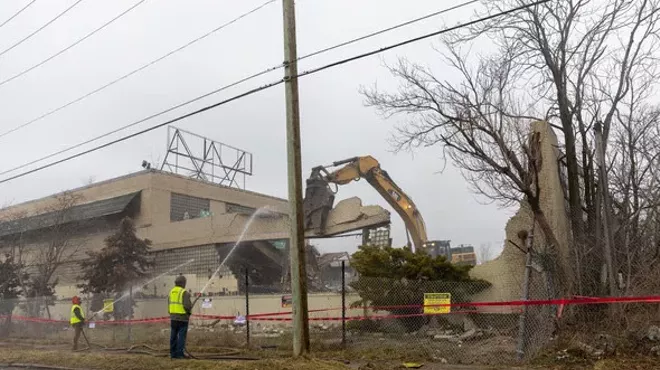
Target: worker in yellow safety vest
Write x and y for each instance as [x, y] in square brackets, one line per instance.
[77, 320]
[179, 308]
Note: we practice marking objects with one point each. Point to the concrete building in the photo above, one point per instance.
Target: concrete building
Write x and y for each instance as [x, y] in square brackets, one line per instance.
[187, 220]
[331, 271]
[463, 255]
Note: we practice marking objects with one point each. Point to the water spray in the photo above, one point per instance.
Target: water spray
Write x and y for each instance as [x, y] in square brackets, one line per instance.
[231, 251]
[125, 295]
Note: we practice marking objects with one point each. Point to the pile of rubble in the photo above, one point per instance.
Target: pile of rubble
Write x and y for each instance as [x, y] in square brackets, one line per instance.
[453, 337]
[268, 331]
[604, 345]
[323, 326]
[653, 334]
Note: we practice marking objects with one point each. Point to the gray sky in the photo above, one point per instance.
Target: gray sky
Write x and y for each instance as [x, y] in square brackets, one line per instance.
[335, 124]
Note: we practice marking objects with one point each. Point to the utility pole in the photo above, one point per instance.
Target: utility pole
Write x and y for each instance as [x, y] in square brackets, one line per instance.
[294, 166]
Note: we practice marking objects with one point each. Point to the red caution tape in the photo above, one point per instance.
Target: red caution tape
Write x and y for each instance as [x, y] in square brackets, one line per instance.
[547, 302]
[561, 303]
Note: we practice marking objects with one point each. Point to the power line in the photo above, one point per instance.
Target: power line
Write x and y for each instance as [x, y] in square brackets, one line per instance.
[321, 51]
[143, 67]
[124, 138]
[272, 84]
[70, 46]
[370, 35]
[40, 28]
[76, 146]
[135, 123]
[17, 13]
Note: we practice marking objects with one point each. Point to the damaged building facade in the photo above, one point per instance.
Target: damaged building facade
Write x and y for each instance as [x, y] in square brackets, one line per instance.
[188, 220]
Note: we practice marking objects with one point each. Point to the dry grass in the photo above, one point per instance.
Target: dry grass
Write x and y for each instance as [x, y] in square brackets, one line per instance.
[92, 360]
[627, 364]
[380, 353]
[375, 359]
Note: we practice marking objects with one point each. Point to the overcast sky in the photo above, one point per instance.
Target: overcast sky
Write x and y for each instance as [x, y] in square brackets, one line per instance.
[335, 124]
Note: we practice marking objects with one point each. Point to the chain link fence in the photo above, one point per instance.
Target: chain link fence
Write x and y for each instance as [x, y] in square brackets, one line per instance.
[445, 321]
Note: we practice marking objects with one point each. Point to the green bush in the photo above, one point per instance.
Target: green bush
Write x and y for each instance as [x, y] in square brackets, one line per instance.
[399, 277]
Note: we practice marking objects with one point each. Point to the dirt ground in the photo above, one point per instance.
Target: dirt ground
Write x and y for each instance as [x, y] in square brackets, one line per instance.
[368, 353]
[21, 355]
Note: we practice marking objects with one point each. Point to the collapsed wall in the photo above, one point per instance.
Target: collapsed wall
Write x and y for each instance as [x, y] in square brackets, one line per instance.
[506, 272]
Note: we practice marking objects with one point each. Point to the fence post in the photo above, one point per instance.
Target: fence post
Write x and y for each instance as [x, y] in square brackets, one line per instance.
[247, 305]
[343, 303]
[520, 350]
[130, 316]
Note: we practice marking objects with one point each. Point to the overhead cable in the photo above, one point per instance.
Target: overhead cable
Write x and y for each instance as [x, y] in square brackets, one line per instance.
[17, 13]
[90, 34]
[380, 32]
[245, 79]
[135, 123]
[143, 67]
[40, 28]
[267, 86]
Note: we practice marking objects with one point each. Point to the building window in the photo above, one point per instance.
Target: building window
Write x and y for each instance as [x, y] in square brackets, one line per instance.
[184, 207]
[237, 208]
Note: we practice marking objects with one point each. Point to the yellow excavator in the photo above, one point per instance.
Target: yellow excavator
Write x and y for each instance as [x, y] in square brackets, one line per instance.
[319, 196]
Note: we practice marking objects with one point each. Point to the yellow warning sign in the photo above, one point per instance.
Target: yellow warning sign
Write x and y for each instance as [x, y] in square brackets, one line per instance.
[431, 299]
[108, 305]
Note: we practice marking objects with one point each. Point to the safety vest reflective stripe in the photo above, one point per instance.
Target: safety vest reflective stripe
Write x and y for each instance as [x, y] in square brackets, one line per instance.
[74, 318]
[176, 301]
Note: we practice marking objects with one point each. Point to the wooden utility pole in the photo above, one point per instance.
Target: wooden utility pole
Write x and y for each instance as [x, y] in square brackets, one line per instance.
[297, 233]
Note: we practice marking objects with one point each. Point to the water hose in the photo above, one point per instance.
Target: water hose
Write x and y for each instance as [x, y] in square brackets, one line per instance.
[143, 349]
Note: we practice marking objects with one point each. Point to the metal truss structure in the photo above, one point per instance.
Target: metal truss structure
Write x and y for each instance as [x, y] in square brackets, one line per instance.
[202, 158]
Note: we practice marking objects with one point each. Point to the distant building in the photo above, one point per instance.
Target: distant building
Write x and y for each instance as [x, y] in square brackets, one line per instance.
[186, 219]
[464, 255]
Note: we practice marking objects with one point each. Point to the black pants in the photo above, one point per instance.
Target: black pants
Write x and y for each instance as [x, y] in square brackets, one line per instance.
[78, 328]
[178, 332]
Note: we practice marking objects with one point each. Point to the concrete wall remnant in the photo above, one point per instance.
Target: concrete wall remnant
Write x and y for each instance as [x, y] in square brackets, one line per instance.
[506, 272]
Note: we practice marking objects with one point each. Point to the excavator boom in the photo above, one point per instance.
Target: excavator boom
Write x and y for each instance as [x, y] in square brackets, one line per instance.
[319, 197]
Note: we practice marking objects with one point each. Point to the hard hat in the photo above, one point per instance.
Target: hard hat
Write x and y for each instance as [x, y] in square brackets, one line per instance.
[180, 281]
[75, 299]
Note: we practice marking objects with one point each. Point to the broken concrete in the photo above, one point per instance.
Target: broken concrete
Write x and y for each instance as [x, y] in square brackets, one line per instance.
[350, 215]
[653, 334]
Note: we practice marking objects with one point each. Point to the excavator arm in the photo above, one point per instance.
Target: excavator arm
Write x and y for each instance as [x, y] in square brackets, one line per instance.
[319, 196]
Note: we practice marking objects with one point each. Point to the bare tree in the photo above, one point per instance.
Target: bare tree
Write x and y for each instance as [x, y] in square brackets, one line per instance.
[479, 122]
[635, 184]
[89, 180]
[55, 241]
[571, 63]
[485, 253]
